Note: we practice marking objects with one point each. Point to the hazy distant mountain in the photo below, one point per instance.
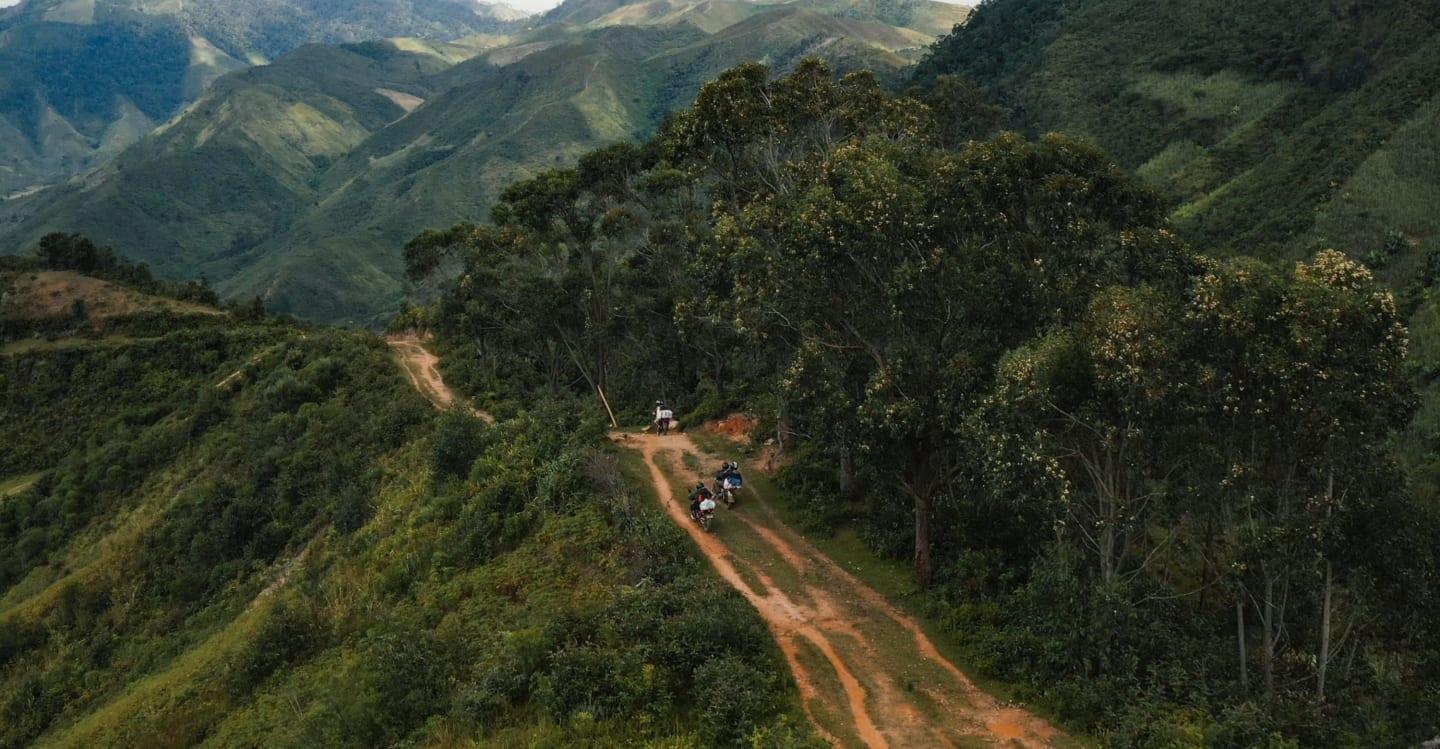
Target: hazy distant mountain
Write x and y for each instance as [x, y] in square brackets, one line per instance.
[82, 79]
[299, 182]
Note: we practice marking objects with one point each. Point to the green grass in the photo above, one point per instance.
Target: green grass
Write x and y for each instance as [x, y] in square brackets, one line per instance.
[1395, 189]
[17, 484]
[33, 345]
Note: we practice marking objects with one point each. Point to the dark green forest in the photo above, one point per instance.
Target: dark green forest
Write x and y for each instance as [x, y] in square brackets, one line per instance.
[1172, 496]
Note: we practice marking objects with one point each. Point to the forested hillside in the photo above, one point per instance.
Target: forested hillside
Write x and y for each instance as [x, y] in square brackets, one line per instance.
[297, 182]
[1273, 128]
[1160, 492]
[221, 529]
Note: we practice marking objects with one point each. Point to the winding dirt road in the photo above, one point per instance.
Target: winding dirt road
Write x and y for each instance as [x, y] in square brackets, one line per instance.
[423, 369]
[868, 674]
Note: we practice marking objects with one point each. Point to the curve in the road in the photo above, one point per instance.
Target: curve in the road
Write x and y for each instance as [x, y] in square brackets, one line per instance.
[423, 370]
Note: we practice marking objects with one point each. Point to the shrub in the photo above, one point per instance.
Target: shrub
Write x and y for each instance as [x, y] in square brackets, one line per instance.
[735, 698]
[604, 682]
[458, 441]
[289, 634]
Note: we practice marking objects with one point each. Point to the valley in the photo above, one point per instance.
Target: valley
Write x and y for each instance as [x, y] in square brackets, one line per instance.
[81, 80]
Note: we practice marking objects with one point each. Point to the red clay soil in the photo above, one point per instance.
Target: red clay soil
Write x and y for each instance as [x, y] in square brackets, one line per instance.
[735, 427]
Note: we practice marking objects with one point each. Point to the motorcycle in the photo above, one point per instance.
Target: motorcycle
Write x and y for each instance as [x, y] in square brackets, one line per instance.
[706, 517]
[729, 489]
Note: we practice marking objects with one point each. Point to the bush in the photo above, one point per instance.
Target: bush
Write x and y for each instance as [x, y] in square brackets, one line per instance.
[735, 699]
[290, 634]
[458, 442]
[605, 682]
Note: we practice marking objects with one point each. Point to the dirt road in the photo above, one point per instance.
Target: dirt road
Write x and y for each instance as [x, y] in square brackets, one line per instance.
[422, 367]
[868, 675]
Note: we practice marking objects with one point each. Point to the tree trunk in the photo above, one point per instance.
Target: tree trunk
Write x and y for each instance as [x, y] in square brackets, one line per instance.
[1107, 553]
[1240, 644]
[1269, 640]
[1322, 666]
[1324, 636]
[781, 427]
[924, 564]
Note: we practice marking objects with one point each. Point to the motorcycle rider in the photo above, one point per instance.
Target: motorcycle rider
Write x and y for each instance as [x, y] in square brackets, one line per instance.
[727, 480]
[725, 470]
[697, 497]
[663, 416]
[707, 507]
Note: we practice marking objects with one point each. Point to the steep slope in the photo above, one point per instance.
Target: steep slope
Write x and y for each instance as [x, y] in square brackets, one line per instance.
[265, 29]
[242, 162]
[81, 79]
[313, 222]
[928, 17]
[447, 162]
[1274, 126]
[243, 533]
[71, 93]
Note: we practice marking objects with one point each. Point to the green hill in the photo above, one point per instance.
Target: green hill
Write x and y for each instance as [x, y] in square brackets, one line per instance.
[1274, 127]
[82, 79]
[244, 159]
[298, 182]
[226, 531]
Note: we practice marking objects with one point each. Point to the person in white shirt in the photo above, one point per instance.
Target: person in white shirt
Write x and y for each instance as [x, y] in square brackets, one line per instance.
[663, 417]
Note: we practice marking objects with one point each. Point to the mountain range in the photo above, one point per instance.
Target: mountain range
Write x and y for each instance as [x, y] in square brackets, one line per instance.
[82, 79]
[298, 181]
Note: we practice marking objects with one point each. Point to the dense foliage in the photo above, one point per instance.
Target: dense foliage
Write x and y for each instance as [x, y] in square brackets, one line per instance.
[1158, 490]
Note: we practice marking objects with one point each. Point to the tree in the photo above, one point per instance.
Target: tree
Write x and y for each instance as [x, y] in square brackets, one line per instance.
[1301, 382]
[60, 251]
[877, 277]
[1097, 400]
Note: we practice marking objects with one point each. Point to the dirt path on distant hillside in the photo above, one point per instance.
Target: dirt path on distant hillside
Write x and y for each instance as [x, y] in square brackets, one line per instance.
[868, 675]
[422, 367]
